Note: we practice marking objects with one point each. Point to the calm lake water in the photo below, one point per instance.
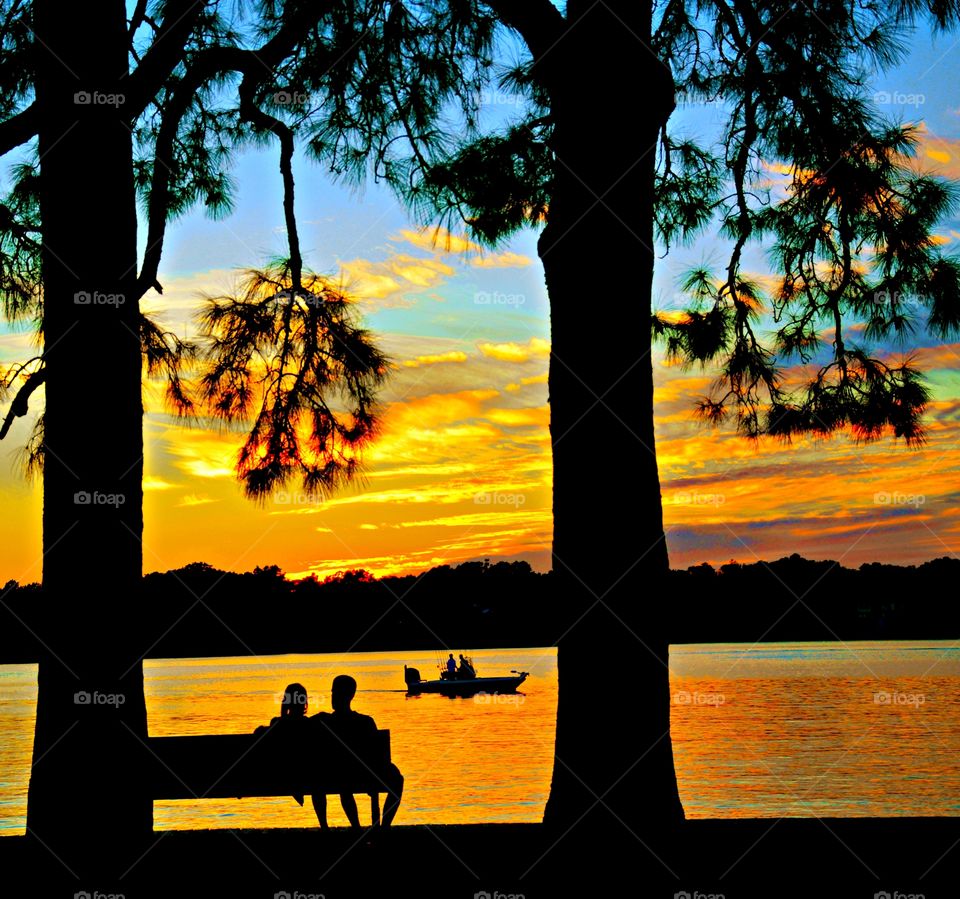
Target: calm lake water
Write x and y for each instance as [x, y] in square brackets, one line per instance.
[826, 729]
[463, 761]
[776, 729]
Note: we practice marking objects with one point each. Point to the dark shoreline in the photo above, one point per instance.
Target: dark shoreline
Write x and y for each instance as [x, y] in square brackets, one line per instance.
[199, 611]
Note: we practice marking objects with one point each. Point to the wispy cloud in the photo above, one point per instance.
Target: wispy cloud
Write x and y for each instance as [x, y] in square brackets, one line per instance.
[536, 347]
[436, 359]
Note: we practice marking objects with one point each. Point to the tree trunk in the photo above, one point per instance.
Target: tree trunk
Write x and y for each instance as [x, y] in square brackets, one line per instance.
[86, 802]
[613, 752]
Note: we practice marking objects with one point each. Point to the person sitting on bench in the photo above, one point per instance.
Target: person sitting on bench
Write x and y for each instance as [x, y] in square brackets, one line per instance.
[292, 720]
[356, 732]
[293, 708]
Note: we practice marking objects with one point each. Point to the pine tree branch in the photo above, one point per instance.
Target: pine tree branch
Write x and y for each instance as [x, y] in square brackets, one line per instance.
[538, 22]
[9, 224]
[250, 112]
[19, 407]
[166, 52]
[20, 128]
[137, 19]
[257, 65]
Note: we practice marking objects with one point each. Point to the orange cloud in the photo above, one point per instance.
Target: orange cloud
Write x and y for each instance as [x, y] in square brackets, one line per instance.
[151, 482]
[440, 240]
[192, 499]
[516, 352]
[943, 356]
[435, 359]
[940, 155]
[543, 378]
[521, 418]
[394, 279]
[502, 260]
[203, 453]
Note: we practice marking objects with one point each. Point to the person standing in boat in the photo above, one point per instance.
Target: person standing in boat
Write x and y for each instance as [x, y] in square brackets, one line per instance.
[465, 671]
[451, 666]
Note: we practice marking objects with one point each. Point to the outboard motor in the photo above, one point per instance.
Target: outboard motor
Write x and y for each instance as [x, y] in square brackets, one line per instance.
[411, 676]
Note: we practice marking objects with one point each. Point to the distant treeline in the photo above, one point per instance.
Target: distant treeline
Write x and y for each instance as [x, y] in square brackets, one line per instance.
[198, 610]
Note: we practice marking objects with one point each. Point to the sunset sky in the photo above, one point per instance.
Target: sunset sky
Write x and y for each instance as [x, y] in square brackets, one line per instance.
[462, 469]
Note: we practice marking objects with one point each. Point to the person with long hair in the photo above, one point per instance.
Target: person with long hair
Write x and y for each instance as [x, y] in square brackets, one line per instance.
[292, 721]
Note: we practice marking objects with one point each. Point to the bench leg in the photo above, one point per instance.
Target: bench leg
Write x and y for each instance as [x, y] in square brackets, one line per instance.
[320, 807]
[393, 781]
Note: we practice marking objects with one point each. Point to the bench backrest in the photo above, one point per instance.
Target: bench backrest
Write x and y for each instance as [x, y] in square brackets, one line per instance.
[266, 764]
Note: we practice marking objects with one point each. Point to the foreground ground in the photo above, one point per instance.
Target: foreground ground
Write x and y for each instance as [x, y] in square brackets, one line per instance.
[811, 857]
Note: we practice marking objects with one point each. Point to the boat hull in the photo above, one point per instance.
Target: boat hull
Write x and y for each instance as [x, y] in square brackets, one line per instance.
[472, 687]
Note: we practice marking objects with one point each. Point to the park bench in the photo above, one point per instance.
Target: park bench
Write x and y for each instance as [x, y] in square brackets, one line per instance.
[268, 764]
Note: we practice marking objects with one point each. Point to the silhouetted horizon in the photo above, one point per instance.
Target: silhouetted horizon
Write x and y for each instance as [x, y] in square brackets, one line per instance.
[488, 605]
[363, 575]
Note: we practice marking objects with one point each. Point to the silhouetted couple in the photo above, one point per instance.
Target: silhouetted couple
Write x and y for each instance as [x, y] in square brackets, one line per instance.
[342, 729]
